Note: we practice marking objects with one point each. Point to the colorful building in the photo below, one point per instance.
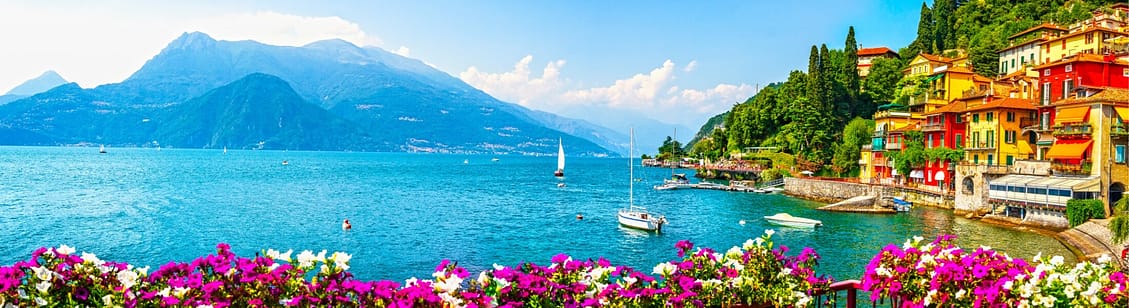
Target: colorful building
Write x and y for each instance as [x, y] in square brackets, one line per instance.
[1025, 48]
[1091, 140]
[944, 127]
[867, 56]
[889, 124]
[1062, 79]
[1086, 39]
[947, 83]
[993, 131]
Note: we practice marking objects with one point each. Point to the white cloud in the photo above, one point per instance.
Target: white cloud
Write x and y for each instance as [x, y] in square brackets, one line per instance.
[652, 94]
[691, 66]
[519, 85]
[282, 29]
[104, 42]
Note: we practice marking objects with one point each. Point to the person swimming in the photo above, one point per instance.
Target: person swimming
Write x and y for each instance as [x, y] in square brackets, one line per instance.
[346, 225]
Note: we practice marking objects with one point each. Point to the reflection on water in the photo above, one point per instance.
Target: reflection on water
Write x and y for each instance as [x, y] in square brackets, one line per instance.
[410, 211]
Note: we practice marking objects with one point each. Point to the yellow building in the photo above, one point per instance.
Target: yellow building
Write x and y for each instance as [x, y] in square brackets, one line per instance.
[993, 134]
[1086, 39]
[873, 162]
[1092, 140]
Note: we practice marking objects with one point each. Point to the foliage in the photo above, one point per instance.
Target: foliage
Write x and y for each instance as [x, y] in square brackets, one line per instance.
[774, 173]
[1119, 225]
[1078, 211]
[944, 154]
[645, 156]
[912, 154]
[707, 130]
[779, 160]
[941, 274]
[670, 150]
[847, 152]
[756, 273]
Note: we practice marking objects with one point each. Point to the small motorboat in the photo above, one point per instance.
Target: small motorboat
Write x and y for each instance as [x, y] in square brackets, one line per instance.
[561, 184]
[901, 205]
[285, 163]
[784, 219]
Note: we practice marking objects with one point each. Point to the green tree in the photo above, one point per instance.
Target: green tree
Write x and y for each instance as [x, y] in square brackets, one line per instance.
[670, 149]
[944, 19]
[850, 71]
[924, 41]
[855, 135]
[1119, 224]
[912, 154]
[882, 82]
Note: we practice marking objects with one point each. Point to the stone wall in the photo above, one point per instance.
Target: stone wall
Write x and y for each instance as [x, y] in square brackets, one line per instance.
[827, 191]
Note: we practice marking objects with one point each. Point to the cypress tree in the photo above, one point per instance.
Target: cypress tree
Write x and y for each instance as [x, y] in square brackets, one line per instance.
[924, 42]
[850, 71]
[943, 22]
[814, 85]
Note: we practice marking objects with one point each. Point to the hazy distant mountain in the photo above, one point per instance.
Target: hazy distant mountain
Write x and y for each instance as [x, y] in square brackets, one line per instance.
[44, 82]
[259, 111]
[649, 133]
[400, 104]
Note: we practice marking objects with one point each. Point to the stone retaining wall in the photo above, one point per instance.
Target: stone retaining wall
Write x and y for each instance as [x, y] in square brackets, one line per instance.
[827, 191]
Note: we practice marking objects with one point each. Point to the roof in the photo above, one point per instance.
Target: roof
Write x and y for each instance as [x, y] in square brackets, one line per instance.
[1009, 103]
[1023, 43]
[1048, 26]
[953, 107]
[977, 77]
[1105, 95]
[1083, 57]
[936, 58]
[1016, 74]
[1072, 183]
[875, 51]
[905, 128]
[1083, 31]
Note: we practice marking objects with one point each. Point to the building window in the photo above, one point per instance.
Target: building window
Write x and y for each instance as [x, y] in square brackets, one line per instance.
[1119, 154]
[1009, 137]
[976, 140]
[959, 119]
[960, 141]
[1046, 72]
[990, 161]
[1089, 38]
[1032, 58]
[976, 159]
[1046, 93]
[1045, 121]
[1069, 68]
[991, 136]
[989, 119]
[1003, 66]
[1067, 86]
[1010, 116]
[1022, 60]
[1012, 62]
[1010, 160]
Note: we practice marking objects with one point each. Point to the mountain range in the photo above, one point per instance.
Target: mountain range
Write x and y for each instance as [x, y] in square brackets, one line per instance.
[328, 95]
[44, 82]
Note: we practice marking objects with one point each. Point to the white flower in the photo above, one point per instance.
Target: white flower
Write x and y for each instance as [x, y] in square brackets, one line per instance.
[127, 278]
[985, 247]
[502, 283]
[803, 299]
[734, 253]
[758, 241]
[960, 294]
[929, 297]
[749, 244]
[629, 280]
[448, 285]
[179, 292]
[483, 278]
[1104, 259]
[108, 300]
[143, 271]
[321, 256]
[410, 282]
[65, 250]
[1056, 260]
[43, 286]
[917, 239]
[273, 254]
[498, 267]
[341, 260]
[40, 301]
[325, 268]
[664, 268]
[42, 273]
[306, 259]
[164, 292]
[285, 255]
[786, 271]
[769, 232]
[204, 306]
[453, 301]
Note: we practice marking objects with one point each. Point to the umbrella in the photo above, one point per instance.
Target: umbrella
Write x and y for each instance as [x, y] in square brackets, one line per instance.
[808, 173]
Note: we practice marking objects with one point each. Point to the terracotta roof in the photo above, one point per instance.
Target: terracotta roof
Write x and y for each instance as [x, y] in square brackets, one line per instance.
[1082, 57]
[935, 58]
[1048, 26]
[905, 128]
[1010, 103]
[957, 106]
[875, 51]
[1016, 74]
[979, 78]
[1107, 94]
[1083, 31]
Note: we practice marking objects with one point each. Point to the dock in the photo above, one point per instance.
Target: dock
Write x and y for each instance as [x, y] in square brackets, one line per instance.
[740, 186]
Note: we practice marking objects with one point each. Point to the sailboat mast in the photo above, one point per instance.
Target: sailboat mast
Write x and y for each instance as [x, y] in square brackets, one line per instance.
[631, 168]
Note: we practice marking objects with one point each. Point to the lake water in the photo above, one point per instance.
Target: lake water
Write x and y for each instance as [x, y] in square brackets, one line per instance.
[410, 211]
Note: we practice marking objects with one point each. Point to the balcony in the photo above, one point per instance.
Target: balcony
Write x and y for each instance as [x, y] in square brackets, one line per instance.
[1029, 123]
[1082, 169]
[894, 146]
[983, 146]
[933, 127]
[1119, 130]
[1073, 131]
[867, 147]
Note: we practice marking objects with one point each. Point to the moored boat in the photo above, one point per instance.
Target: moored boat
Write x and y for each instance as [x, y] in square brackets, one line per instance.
[635, 216]
[784, 219]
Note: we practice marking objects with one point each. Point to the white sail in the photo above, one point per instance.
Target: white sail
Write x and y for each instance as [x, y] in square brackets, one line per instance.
[560, 155]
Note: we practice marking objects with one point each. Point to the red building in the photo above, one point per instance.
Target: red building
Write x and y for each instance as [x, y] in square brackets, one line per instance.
[943, 128]
[1072, 77]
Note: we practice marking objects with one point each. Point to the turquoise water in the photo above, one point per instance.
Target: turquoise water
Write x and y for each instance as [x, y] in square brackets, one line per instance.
[409, 211]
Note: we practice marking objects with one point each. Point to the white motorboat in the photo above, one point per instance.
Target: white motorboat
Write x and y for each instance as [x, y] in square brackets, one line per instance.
[635, 216]
[784, 219]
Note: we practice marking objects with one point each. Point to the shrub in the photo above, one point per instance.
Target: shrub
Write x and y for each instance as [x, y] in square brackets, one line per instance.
[1078, 211]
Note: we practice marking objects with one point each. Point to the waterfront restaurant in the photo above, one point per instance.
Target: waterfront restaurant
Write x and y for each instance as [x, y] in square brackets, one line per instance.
[1019, 195]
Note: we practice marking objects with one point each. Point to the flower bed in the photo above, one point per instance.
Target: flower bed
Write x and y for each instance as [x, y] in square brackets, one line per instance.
[939, 273]
[756, 273]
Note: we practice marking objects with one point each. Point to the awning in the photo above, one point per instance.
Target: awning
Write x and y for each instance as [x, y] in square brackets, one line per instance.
[891, 106]
[931, 79]
[1068, 150]
[917, 174]
[1123, 113]
[1072, 115]
[939, 176]
[1088, 184]
[1094, 185]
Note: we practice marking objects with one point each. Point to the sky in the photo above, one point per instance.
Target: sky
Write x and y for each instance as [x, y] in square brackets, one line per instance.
[678, 62]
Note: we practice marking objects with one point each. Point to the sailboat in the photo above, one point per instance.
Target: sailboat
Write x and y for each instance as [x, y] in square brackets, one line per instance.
[225, 150]
[635, 216]
[676, 180]
[560, 158]
[102, 149]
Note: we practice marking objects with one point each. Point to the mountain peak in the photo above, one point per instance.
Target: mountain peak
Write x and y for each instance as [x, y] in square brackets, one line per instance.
[334, 43]
[192, 41]
[44, 82]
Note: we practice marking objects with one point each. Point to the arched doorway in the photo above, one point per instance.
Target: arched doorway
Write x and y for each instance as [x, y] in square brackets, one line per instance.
[967, 187]
[1116, 192]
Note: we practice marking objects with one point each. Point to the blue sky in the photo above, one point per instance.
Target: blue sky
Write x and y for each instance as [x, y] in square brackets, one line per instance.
[676, 61]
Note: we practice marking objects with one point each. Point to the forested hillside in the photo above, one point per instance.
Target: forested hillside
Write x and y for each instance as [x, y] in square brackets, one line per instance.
[808, 114]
